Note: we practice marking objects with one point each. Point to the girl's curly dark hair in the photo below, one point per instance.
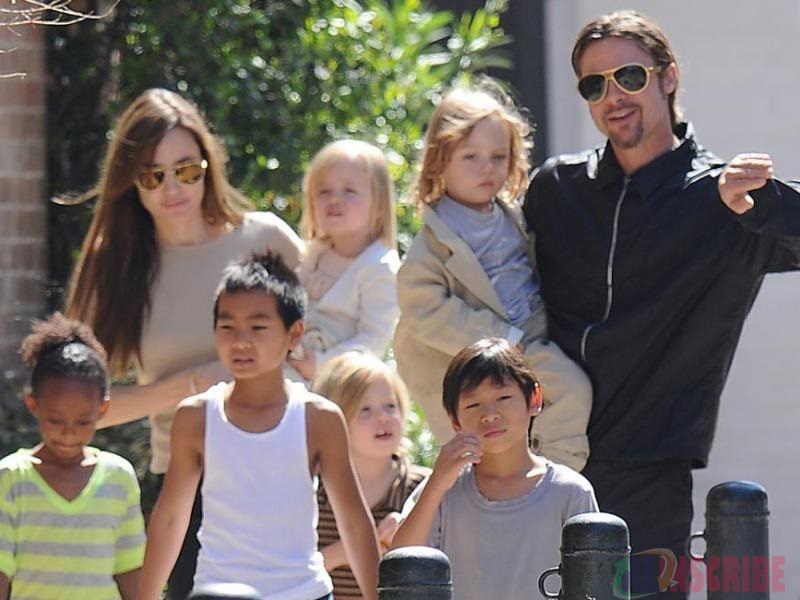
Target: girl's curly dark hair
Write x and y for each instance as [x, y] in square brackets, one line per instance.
[65, 348]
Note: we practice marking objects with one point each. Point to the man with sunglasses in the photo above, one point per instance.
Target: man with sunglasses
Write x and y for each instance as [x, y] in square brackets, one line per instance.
[651, 252]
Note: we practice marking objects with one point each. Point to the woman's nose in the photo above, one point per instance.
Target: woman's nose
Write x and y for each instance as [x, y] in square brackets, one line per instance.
[171, 183]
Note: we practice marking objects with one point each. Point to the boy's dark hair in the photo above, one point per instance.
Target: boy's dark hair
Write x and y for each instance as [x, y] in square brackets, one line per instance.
[64, 348]
[490, 358]
[269, 274]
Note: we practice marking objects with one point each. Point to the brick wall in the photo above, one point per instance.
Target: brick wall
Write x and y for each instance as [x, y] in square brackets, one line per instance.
[22, 187]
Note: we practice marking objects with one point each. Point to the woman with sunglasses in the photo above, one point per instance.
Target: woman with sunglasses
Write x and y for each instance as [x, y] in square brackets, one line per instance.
[166, 223]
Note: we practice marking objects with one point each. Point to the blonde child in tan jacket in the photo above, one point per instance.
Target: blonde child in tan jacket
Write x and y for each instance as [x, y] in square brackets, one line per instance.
[468, 275]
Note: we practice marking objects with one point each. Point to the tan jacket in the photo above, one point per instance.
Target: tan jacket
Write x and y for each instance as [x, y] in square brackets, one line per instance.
[447, 302]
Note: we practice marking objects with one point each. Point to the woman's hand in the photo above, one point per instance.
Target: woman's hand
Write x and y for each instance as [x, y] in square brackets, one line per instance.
[204, 376]
[131, 402]
[304, 362]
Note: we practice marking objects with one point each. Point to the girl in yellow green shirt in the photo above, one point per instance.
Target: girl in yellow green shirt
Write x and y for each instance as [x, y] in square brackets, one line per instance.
[70, 521]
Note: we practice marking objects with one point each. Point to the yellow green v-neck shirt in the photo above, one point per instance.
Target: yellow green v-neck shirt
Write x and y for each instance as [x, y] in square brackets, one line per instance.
[54, 548]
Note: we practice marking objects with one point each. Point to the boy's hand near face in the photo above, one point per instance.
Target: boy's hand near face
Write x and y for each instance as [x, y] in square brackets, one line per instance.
[463, 449]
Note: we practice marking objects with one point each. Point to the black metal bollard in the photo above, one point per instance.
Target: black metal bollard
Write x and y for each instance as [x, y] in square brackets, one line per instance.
[595, 549]
[224, 591]
[415, 573]
[737, 542]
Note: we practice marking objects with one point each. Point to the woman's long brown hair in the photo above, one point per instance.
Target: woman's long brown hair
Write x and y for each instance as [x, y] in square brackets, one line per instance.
[119, 260]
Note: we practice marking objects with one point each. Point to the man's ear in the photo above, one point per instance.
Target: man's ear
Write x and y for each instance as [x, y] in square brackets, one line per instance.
[535, 402]
[668, 79]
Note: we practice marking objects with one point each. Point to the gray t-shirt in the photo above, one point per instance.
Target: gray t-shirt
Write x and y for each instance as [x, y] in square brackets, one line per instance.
[498, 549]
[501, 250]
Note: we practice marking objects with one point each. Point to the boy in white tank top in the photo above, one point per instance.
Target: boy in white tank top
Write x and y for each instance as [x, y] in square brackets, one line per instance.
[259, 444]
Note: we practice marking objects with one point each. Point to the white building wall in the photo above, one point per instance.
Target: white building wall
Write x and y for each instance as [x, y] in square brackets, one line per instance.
[739, 86]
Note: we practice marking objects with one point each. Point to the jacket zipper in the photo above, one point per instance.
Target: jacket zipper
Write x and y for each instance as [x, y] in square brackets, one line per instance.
[609, 270]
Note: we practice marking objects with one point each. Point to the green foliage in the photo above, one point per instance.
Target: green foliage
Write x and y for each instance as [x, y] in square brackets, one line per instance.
[374, 73]
[424, 447]
[278, 79]
[19, 429]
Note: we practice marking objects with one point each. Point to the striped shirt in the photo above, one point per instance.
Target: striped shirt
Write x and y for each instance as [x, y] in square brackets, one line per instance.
[408, 478]
[54, 548]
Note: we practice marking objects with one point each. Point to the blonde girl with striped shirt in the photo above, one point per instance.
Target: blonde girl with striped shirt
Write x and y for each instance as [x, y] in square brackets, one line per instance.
[375, 402]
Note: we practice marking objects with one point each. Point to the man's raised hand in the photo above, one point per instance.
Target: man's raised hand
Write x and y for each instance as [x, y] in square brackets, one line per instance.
[746, 172]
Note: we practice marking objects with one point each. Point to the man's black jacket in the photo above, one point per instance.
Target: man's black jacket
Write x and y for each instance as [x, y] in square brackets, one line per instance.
[647, 281]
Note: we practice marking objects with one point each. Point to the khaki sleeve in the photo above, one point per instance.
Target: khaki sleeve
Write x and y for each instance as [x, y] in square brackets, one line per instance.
[437, 316]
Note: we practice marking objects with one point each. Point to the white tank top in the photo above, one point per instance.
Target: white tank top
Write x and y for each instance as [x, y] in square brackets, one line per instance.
[260, 505]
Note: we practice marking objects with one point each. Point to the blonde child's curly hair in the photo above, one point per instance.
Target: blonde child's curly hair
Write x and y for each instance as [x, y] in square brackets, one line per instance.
[452, 122]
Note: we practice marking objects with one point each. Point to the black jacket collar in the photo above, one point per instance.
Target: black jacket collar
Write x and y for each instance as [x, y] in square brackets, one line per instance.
[654, 174]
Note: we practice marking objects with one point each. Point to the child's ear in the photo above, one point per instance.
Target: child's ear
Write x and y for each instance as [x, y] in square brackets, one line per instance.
[454, 423]
[30, 402]
[296, 331]
[535, 403]
[104, 404]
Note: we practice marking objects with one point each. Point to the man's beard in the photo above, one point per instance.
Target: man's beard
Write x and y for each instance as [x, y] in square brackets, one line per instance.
[628, 140]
